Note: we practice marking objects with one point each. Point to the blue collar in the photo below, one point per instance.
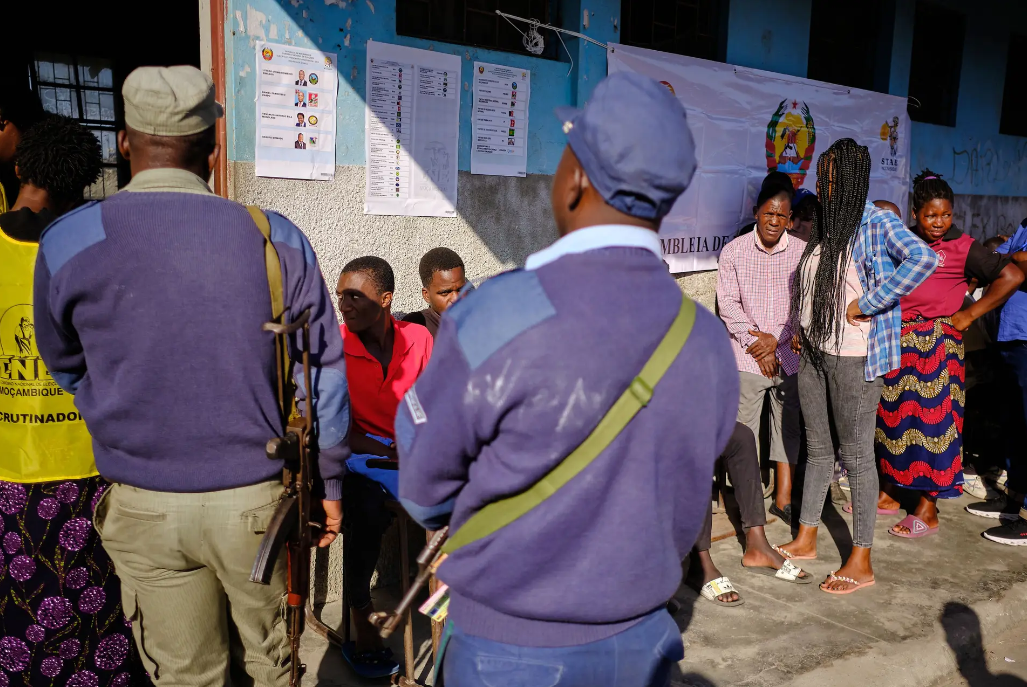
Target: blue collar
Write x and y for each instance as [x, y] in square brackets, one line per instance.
[594, 238]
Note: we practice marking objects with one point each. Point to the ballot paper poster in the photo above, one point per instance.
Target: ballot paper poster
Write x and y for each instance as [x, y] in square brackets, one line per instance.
[748, 122]
[296, 91]
[411, 131]
[500, 119]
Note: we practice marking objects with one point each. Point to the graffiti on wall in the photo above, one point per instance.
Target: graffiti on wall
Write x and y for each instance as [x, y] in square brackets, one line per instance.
[985, 216]
[987, 164]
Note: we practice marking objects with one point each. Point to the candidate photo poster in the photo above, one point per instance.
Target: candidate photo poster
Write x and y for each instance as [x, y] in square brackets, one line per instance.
[296, 94]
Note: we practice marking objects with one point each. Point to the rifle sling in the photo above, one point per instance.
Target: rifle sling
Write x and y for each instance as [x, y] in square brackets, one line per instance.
[274, 282]
[499, 514]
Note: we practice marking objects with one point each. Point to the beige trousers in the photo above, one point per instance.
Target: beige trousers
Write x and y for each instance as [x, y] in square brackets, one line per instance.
[184, 561]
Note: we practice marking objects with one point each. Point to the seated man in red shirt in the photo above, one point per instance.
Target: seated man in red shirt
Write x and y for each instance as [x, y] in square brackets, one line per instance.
[383, 359]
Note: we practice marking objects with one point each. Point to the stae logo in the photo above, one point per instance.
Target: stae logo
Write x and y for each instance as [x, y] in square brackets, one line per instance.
[312, 79]
[890, 133]
[791, 141]
[328, 63]
[481, 70]
[267, 54]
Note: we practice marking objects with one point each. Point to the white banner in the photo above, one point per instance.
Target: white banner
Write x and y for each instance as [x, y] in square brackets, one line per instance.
[748, 122]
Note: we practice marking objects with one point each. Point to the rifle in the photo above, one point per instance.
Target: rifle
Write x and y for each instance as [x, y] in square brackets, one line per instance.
[291, 524]
[386, 622]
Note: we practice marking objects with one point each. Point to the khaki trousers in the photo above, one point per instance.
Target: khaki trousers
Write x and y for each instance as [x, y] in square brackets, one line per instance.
[184, 561]
[785, 427]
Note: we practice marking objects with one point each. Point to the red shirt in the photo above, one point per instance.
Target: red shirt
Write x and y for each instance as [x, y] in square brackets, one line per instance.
[373, 396]
[960, 259]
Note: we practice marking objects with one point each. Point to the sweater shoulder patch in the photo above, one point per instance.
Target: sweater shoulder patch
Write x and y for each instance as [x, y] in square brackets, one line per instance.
[497, 312]
[71, 234]
[284, 231]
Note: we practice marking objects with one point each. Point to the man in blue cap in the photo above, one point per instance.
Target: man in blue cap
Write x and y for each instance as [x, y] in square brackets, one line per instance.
[573, 590]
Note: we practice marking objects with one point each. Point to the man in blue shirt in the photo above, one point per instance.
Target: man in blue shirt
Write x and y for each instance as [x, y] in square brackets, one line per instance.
[1012, 343]
[523, 370]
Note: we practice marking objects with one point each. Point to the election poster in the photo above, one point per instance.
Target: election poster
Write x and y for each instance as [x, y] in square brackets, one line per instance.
[411, 131]
[748, 122]
[499, 143]
[296, 92]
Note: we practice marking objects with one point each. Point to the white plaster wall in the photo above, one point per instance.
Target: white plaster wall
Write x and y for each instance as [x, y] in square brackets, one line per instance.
[501, 220]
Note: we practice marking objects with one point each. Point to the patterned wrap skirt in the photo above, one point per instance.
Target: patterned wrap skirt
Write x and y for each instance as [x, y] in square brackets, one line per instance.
[60, 602]
[919, 438]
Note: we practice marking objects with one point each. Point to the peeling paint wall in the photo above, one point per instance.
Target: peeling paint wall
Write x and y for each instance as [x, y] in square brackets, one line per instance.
[501, 220]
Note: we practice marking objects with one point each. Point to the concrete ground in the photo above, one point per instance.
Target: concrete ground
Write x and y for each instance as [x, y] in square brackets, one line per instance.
[946, 610]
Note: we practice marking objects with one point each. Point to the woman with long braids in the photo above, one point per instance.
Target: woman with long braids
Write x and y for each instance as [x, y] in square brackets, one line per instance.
[920, 417]
[860, 260]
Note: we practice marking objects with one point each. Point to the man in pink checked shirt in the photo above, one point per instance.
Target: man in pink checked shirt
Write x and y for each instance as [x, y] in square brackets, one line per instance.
[754, 296]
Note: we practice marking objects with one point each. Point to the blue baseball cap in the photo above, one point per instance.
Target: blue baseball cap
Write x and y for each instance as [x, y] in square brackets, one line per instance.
[801, 195]
[633, 141]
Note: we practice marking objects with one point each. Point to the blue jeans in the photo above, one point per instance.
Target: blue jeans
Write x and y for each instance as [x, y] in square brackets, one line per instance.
[1015, 355]
[641, 656]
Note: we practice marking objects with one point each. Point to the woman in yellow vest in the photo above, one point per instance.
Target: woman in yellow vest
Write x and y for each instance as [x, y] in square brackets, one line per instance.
[60, 598]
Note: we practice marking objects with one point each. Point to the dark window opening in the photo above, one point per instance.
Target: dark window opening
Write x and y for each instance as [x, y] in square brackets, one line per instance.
[1014, 96]
[837, 56]
[697, 28]
[938, 36]
[475, 22]
[83, 89]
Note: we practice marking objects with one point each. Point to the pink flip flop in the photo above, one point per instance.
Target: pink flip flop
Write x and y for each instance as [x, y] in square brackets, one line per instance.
[880, 511]
[917, 528]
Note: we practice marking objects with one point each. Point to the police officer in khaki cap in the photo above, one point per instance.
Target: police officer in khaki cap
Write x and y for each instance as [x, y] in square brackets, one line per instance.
[149, 307]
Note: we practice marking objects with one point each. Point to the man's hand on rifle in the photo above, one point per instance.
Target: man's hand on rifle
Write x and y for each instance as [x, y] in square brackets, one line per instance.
[333, 522]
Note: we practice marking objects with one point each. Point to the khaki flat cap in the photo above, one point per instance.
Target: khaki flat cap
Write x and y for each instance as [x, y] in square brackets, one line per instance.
[170, 101]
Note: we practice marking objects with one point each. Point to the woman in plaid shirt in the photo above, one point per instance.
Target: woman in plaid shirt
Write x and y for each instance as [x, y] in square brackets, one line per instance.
[860, 261]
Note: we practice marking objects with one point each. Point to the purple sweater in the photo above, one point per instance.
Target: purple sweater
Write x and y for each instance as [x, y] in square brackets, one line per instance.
[149, 306]
[521, 373]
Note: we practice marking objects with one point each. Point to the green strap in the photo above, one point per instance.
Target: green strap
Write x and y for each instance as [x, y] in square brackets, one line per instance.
[499, 514]
[286, 395]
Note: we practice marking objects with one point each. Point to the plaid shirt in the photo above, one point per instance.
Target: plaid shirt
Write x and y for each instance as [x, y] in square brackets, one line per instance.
[891, 261]
[754, 291]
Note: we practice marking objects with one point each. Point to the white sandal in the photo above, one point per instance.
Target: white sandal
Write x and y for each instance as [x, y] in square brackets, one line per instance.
[718, 587]
[789, 572]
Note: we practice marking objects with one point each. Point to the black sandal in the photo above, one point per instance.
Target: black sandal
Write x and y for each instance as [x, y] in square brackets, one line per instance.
[785, 514]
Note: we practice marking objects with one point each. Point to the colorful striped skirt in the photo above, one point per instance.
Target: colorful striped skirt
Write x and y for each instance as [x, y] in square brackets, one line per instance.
[919, 438]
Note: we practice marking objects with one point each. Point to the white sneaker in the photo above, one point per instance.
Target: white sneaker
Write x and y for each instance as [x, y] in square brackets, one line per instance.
[973, 484]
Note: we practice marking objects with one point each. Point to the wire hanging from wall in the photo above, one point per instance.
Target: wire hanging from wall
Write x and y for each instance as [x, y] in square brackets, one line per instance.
[535, 43]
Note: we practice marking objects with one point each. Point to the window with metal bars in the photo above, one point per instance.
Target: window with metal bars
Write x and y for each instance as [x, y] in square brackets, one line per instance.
[82, 88]
[697, 28]
[474, 22]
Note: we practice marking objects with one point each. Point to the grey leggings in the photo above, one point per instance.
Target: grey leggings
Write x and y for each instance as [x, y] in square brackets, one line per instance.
[839, 396]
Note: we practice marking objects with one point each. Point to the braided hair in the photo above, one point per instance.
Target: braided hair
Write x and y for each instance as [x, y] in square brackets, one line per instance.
[928, 186]
[843, 182]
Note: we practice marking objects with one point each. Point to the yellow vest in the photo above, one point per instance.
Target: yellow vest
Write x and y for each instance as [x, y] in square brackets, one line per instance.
[42, 436]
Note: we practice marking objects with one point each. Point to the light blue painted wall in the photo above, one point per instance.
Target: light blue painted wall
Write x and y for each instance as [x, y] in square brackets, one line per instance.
[764, 34]
[972, 155]
[344, 27]
[769, 34]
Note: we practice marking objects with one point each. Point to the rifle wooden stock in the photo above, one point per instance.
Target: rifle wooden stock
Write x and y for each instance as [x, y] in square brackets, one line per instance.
[290, 525]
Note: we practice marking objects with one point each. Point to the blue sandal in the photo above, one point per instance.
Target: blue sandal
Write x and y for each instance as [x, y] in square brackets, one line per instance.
[370, 664]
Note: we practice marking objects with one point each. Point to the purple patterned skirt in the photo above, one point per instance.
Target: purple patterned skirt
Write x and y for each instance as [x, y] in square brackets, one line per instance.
[60, 602]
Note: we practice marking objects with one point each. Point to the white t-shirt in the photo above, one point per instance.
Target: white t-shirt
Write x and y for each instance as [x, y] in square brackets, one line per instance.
[853, 339]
